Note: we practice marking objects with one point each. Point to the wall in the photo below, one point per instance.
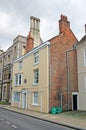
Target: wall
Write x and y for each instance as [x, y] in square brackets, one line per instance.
[28, 74]
[58, 70]
[81, 75]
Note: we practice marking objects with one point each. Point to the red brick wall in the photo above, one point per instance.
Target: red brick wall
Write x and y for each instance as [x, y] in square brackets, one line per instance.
[29, 43]
[58, 68]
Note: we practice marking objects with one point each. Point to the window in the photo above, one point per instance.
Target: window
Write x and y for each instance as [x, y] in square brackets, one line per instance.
[85, 57]
[85, 83]
[4, 94]
[35, 98]
[0, 75]
[20, 65]
[15, 49]
[9, 57]
[16, 97]
[36, 57]
[18, 79]
[9, 73]
[36, 76]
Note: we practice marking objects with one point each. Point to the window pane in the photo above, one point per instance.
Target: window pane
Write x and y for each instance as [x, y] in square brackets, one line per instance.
[36, 57]
[16, 97]
[84, 57]
[16, 80]
[85, 83]
[36, 76]
[35, 97]
[20, 65]
[19, 79]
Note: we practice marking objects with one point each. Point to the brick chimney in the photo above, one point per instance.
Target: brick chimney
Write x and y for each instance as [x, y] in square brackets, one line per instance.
[64, 24]
[29, 42]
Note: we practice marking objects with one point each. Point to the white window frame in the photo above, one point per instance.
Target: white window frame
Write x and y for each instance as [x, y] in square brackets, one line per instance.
[85, 57]
[18, 79]
[36, 76]
[20, 65]
[36, 57]
[16, 97]
[35, 99]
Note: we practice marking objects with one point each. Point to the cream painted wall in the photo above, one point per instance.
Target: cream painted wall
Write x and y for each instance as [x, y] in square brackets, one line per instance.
[81, 75]
[28, 73]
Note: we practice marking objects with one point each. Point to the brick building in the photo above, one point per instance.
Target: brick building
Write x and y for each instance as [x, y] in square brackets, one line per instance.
[63, 69]
[47, 73]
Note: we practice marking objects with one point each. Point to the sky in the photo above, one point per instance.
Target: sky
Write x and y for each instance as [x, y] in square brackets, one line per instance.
[15, 18]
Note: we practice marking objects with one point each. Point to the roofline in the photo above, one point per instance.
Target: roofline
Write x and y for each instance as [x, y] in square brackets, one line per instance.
[54, 37]
[33, 51]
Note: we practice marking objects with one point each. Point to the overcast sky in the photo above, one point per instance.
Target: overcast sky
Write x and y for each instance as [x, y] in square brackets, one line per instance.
[15, 18]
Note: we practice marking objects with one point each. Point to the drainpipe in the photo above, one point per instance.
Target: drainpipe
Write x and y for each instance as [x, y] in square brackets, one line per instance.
[61, 100]
[68, 75]
[49, 80]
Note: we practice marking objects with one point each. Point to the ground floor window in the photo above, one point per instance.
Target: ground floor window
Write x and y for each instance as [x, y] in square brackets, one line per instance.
[35, 98]
[16, 97]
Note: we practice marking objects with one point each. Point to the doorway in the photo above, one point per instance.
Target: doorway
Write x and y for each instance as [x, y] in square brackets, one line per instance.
[24, 99]
[74, 101]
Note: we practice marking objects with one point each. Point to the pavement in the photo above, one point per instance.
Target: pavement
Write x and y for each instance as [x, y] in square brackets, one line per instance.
[61, 119]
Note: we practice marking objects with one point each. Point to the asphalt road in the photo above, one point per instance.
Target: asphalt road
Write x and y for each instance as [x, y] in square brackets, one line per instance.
[10, 121]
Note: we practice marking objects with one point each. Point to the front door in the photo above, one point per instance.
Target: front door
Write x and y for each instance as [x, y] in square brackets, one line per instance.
[74, 102]
[24, 99]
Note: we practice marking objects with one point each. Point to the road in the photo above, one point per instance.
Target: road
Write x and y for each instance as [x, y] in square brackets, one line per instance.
[14, 121]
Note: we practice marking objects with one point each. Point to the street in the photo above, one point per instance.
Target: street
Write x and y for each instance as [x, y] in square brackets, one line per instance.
[10, 120]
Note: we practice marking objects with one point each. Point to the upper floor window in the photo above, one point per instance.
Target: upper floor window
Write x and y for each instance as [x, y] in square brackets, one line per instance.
[20, 65]
[0, 75]
[85, 84]
[15, 49]
[85, 57]
[36, 76]
[9, 73]
[8, 57]
[36, 57]
[0, 61]
[18, 79]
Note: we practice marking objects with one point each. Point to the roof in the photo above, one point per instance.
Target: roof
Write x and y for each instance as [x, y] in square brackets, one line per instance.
[33, 51]
[82, 40]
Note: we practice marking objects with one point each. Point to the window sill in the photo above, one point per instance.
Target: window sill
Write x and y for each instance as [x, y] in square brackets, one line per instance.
[35, 104]
[16, 102]
[35, 84]
[17, 85]
[35, 63]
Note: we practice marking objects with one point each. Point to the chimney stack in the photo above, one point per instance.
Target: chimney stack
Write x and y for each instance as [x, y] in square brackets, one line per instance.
[64, 24]
[85, 29]
[29, 43]
[35, 30]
